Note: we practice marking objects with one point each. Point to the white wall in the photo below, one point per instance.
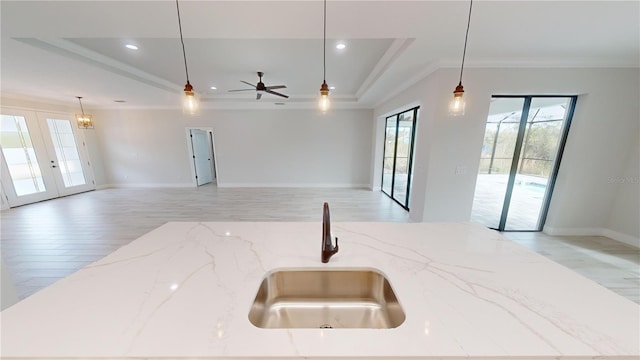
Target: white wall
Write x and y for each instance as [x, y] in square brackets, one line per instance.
[604, 128]
[623, 219]
[269, 148]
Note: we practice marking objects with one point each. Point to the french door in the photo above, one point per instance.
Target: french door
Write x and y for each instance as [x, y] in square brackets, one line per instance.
[523, 144]
[43, 156]
[398, 156]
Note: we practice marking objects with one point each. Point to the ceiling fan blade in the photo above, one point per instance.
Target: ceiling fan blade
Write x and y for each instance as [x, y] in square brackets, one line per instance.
[258, 96]
[276, 87]
[242, 90]
[247, 83]
[277, 93]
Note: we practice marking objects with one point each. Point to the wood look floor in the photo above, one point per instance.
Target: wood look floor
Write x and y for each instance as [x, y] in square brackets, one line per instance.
[44, 242]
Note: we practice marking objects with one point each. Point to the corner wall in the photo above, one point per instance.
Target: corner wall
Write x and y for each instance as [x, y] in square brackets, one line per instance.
[604, 128]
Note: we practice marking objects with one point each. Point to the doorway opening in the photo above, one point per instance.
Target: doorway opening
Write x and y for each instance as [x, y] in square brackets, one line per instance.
[520, 157]
[202, 154]
[397, 160]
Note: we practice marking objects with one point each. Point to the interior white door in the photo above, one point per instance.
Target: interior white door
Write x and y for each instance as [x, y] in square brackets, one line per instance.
[201, 156]
[67, 154]
[27, 174]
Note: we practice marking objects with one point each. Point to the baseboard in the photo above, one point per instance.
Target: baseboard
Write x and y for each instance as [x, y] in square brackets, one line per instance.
[572, 231]
[624, 238]
[292, 185]
[145, 185]
[615, 235]
[238, 185]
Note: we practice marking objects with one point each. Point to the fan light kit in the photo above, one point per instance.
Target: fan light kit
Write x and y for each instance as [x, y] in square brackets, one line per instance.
[190, 102]
[457, 105]
[260, 88]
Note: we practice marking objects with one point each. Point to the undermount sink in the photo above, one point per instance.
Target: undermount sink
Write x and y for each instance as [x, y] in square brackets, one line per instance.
[314, 298]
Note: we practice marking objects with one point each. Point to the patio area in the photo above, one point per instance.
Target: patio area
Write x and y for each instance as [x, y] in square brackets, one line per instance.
[526, 201]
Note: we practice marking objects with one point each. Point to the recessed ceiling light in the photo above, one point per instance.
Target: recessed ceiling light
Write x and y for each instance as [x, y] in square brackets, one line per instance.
[332, 87]
[131, 46]
[213, 88]
[341, 46]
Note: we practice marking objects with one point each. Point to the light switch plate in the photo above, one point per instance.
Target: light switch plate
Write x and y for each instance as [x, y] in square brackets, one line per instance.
[461, 170]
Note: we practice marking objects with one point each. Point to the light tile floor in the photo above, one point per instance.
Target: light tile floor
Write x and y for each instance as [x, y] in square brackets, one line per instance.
[44, 242]
[610, 263]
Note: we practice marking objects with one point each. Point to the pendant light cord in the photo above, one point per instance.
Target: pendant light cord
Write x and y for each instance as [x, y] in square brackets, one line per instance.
[80, 101]
[184, 53]
[464, 52]
[324, 44]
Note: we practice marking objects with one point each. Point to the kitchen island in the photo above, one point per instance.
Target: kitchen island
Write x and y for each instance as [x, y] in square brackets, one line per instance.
[185, 290]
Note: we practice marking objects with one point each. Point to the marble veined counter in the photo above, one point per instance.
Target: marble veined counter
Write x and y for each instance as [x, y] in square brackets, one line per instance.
[185, 289]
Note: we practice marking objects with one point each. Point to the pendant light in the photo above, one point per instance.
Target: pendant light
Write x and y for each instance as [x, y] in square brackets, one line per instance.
[324, 102]
[85, 121]
[457, 104]
[190, 101]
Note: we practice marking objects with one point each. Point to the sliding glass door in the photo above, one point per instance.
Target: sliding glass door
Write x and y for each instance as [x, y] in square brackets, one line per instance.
[398, 155]
[523, 144]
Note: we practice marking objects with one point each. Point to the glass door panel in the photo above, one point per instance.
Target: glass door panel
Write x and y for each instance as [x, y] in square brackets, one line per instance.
[540, 146]
[67, 154]
[403, 158]
[66, 150]
[26, 175]
[389, 154]
[20, 156]
[495, 160]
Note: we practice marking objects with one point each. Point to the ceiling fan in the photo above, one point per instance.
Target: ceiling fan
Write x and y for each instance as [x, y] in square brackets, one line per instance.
[260, 88]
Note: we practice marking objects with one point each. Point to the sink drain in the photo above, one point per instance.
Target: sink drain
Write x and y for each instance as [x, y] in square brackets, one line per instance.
[326, 326]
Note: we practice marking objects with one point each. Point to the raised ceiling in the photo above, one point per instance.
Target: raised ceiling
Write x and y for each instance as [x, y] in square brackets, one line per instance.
[57, 50]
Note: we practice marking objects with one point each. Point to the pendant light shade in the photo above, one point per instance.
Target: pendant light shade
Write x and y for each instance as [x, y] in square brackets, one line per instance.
[457, 104]
[190, 103]
[324, 102]
[85, 121]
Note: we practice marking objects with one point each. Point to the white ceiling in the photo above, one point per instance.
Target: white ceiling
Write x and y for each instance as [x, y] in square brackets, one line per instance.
[57, 50]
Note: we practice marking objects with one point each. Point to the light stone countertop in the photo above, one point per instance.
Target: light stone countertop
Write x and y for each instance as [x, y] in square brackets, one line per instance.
[185, 289]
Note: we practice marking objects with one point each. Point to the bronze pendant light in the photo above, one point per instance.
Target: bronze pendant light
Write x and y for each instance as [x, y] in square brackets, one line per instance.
[324, 102]
[190, 103]
[457, 104]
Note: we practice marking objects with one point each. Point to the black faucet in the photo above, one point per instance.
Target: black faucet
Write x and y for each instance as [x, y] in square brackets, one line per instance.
[327, 248]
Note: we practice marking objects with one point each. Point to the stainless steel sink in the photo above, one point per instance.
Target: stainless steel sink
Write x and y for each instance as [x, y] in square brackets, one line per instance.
[360, 298]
